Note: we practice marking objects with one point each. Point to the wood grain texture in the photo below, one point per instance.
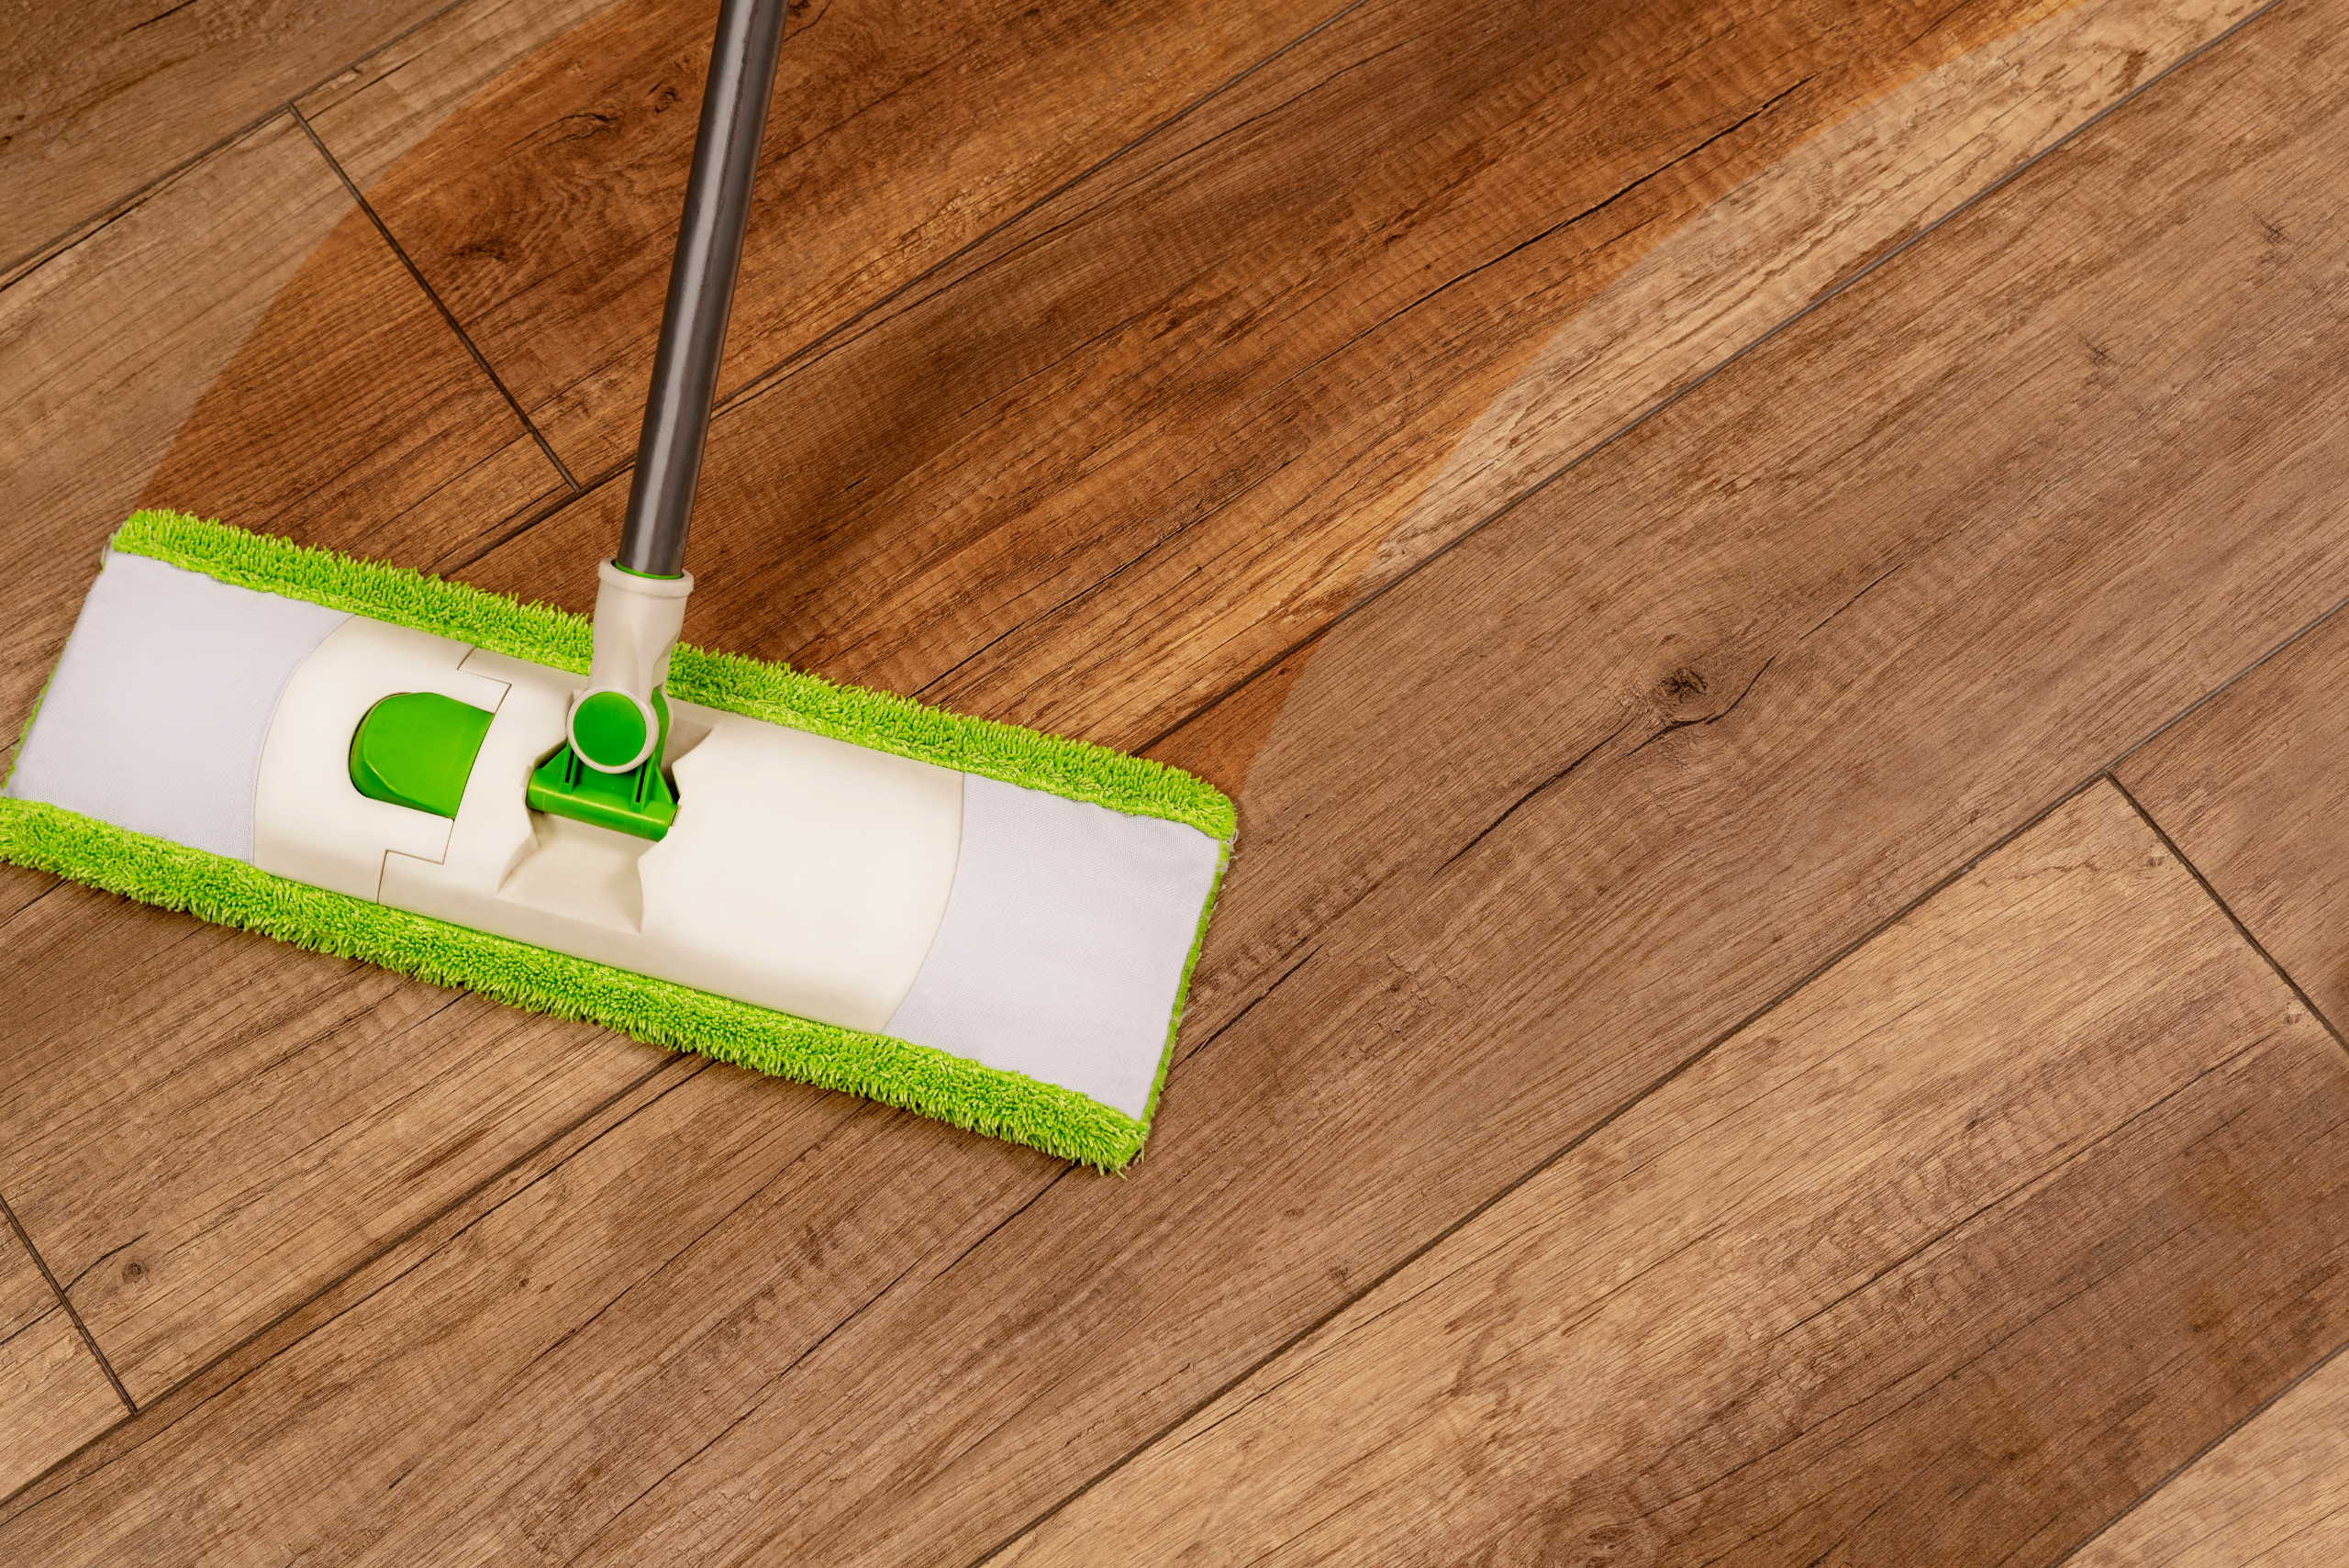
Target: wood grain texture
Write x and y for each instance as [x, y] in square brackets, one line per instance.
[1649, 751]
[371, 1276]
[97, 100]
[53, 1396]
[1480, 966]
[106, 349]
[1147, 437]
[355, 416]
[374, 113]
[1849, 1290]
[2274, 1493]
[1219, 743]
[543, 212]
[2254, 787]
[193, 1159]
[18, 887]
[799, 1181]
[1836, 202]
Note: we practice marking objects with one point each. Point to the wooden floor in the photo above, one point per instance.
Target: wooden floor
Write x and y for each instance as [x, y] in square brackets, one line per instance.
[1764, 573]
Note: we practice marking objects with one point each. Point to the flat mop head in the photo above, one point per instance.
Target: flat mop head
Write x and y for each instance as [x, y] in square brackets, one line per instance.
[976, 922]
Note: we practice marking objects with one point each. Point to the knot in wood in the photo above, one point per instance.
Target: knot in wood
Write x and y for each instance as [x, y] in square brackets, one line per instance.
[1683, 688]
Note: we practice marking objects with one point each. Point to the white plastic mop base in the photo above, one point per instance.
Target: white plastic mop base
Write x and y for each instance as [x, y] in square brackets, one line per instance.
[742, 897]
[1013, 927]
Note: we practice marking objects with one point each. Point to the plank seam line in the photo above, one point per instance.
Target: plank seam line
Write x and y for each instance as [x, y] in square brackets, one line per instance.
[1750, 347]
[16, 1502]
[19, 910]
[2199, 1455]
[66, 1301]
[2228, 910]
[759, 383]
[531, 519]
[2215, 693]
[431, 293]
[817, 1146]
[72, 233]
[753, 1405]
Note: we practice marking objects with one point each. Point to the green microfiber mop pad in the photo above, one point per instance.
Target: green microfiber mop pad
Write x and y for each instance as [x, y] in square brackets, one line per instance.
[992, 1101]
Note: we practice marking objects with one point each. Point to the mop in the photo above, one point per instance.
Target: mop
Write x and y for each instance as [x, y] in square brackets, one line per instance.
[976, 922]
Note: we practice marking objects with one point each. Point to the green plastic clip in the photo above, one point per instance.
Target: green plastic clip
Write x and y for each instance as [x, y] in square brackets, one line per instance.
[417, 749]
[639, 802]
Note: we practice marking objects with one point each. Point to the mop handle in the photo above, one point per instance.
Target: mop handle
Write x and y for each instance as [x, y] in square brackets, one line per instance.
[701, 286]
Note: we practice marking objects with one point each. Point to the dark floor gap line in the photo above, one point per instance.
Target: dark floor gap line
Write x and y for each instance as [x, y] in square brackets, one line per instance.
[807, 350]
[448, 315]
[11, 917]
[128, 1405]
[1364, 601]
[2141, 1498]
[531, 517]
[2226, 910]
[2224, 687]
[124, 203]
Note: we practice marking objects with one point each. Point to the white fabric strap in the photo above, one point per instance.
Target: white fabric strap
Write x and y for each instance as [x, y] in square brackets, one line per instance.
[1063, 943]
[157, 714]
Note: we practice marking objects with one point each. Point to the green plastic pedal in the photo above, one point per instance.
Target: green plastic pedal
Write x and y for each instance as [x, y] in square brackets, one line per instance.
[639, 802]
[417, 749]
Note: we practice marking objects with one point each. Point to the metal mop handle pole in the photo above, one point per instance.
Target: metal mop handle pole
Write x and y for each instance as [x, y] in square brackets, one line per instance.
[701, 286]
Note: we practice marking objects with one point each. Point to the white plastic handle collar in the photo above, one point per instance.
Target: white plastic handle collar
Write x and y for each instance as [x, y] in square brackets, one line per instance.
[637, 622]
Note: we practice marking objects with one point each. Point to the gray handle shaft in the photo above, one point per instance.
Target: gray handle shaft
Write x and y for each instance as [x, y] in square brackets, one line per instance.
[701, 286]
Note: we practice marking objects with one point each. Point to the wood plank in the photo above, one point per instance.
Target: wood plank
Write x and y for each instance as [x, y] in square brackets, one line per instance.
[374, 113]
[2255, 788]
[52, 1393]
[715, 1363]
[355, 416]
[1838, 202]
[98, 101]
[53, 1396]
[193, 1159]
[2275, 1493]
[448, 1224]
[117, 343]
[1151, 436]
[774, 1172]
[1801, 1305]
[543, 211]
